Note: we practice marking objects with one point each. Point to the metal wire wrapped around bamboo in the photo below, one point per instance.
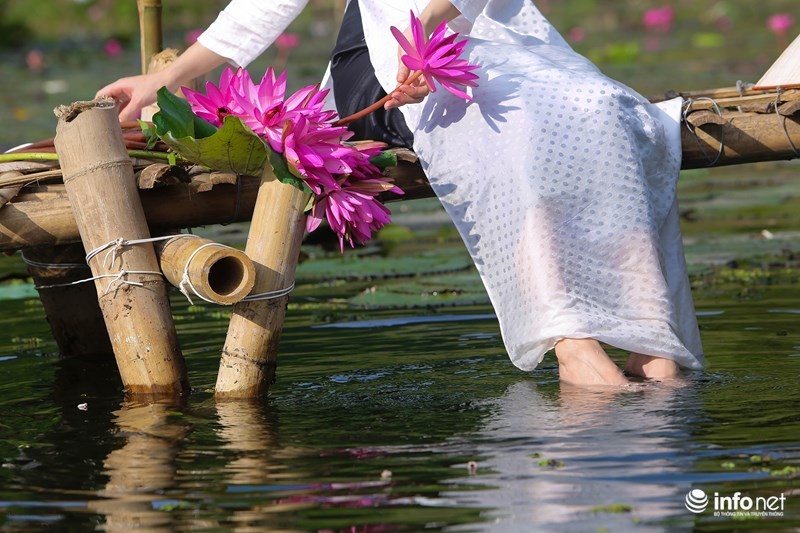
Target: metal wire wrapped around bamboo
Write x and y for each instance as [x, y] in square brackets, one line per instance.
[211, 271]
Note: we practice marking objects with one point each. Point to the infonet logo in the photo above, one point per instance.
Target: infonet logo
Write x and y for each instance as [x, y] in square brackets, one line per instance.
[697, 501]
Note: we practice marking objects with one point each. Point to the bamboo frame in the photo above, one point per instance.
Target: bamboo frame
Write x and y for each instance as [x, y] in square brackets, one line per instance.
[150, 30]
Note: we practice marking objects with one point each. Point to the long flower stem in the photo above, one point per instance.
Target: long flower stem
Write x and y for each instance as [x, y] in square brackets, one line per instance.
[49, 156]
[377, 105]
[30, 156]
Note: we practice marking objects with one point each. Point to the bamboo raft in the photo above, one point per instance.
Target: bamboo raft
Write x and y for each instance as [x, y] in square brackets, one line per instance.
[721, 127]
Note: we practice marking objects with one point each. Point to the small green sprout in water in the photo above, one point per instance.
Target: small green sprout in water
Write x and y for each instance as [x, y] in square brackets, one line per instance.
[728, 465]
[173, 505]
[550, 463]
[28, 342]
[786, 471]
[612, 508]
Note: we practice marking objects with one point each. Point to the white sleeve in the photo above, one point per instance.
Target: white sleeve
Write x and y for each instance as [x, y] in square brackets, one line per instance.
[246, 28]
[470, 9]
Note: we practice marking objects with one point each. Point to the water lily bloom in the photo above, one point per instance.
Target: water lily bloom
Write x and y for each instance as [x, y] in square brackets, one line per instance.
[219, 101]
[780, 23]
[437, 58]
[659, 19]
[352, 210]
[287, 40]
[314, 151]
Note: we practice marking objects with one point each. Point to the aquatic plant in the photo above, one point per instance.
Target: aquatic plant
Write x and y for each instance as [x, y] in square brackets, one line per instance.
[658, 19]
[437, 58]
[779, 23]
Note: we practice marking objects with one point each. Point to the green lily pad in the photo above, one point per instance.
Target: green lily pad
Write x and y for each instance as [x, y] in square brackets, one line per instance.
[463, 288]
[18, 292]
[233, 148]
[354, 267]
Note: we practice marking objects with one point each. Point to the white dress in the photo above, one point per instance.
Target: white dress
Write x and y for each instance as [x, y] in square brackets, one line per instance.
[560, 180]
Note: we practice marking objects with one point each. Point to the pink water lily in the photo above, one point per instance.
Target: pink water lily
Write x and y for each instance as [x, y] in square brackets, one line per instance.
[353, 210]
[219, 101]
[314, 152]
[438, 58]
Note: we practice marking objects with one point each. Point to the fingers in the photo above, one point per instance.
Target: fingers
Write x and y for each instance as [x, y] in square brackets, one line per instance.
[407, 94]
[402, 73]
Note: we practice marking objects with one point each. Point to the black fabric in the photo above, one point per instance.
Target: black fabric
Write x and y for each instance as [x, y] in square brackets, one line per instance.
[356, 87]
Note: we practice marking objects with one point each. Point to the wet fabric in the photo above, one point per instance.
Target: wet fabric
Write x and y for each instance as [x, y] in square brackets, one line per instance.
[560, 181]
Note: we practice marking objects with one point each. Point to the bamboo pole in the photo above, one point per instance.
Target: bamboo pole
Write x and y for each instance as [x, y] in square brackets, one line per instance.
[37, 218]
[149, 30]
[98, 178]
[211, 271]
[71, 308]
[248, 362]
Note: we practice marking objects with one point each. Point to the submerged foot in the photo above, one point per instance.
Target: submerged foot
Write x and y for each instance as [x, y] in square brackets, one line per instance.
[583, 362]
[651, 367]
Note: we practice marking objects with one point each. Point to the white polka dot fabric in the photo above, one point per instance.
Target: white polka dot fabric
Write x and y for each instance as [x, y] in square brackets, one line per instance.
[562, 183]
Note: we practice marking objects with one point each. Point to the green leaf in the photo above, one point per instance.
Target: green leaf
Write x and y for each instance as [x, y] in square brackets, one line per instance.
[234, 147]
[284, 175]
[384, 159]
[175, 117]
[150, 134]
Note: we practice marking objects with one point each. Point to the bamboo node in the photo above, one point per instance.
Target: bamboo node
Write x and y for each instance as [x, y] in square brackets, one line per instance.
[113, 163]
[687, 109]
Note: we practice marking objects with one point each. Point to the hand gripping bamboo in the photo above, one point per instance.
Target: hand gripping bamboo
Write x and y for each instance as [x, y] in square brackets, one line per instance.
[98, 178]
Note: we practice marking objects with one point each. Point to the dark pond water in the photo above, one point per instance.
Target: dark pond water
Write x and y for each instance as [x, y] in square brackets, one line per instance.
[407, 417]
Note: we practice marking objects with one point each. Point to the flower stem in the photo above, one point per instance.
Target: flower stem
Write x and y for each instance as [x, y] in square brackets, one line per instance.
[49, 156]
[377, 105]
[30, 156]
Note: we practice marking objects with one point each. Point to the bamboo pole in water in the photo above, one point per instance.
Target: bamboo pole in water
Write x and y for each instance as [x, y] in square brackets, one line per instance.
[248, 362]
[150, 31]
[71, 308]
[99, 181]
[211, 271]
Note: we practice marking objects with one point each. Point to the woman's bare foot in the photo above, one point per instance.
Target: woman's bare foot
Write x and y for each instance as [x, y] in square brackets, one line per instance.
[649, 366]
[583, 362]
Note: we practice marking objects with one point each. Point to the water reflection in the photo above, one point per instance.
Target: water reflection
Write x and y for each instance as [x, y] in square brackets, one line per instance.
[563, 455]
[142, 468]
